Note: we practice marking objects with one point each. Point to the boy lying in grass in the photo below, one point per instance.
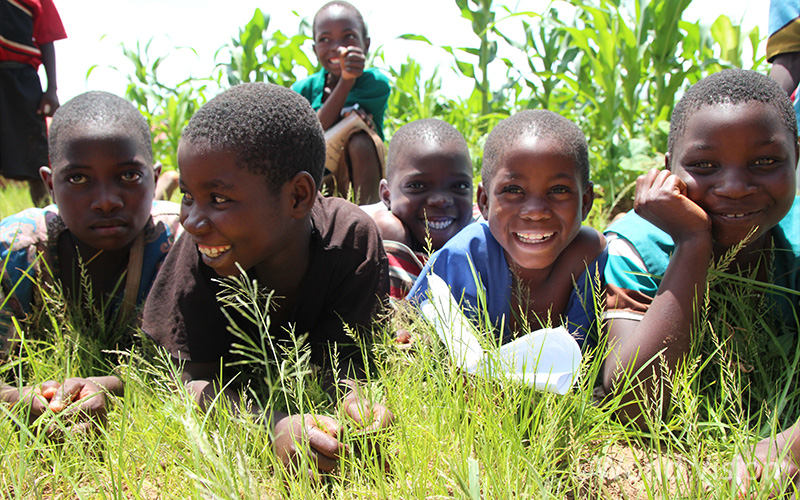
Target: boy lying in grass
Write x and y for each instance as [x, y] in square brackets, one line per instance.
[531, 255]
[104, 222]
[729, 180]
[426, 197]
[250, 160]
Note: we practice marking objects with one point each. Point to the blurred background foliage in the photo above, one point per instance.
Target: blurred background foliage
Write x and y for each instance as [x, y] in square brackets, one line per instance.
[614, 67]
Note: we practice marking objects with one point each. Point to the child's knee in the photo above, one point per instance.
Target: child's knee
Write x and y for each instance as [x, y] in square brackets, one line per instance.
[360, 145]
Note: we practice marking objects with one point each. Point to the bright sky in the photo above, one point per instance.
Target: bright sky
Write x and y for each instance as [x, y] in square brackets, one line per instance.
[96, 28]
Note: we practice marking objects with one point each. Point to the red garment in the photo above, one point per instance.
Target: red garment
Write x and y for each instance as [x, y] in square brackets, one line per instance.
[27, 24]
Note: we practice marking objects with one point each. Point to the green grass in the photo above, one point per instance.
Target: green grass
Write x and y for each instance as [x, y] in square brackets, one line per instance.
[454, 436]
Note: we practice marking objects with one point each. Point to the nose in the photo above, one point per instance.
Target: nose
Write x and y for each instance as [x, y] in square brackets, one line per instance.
[106, 199]
[534, 208]
[440, 199]
[734, 183]
[194, 220]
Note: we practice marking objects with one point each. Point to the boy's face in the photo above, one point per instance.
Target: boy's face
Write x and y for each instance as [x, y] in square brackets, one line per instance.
[103, 185]
[535, 202]
[230, 212]
[738, 163]
[430, 192]
[337, 27]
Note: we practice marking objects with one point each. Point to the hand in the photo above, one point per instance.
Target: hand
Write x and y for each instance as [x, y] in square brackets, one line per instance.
[314, 435]
[35, 400]
[48, 104]
[367, 415]
[351, 62]
[661, 199]
[364, 116]
[80, 401]
[764, 464]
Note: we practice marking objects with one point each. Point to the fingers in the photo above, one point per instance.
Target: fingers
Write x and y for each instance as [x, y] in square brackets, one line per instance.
[352, 62]
[323, 436]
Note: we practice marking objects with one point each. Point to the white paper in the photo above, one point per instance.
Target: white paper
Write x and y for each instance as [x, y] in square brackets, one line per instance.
[546, 359]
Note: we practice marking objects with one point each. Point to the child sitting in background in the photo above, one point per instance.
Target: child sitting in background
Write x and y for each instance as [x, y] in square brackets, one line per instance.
[250, 160]
[730, 170]
[341, 44]
[104, 222]
[427, 196]
[531, 254]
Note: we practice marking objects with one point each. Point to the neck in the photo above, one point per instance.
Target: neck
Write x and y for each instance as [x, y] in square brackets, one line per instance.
[284, 272]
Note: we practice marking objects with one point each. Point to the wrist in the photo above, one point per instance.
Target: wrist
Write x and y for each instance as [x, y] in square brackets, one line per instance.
[698, 241]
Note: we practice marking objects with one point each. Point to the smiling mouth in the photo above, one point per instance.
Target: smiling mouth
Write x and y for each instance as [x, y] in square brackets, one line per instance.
[534, 237]
[213, 252]
[335, 62]
[439, 224]
[734, 216]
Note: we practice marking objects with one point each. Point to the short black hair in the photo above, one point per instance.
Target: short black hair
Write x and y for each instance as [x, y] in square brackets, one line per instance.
[427, 130]
[731, 86]
[101, 110]
[271, 131]
[535, 123]
[346, 6]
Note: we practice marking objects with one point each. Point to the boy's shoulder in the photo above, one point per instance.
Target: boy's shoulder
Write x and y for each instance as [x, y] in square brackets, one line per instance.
[337, 223]
[27, 228]
[652, 245]
[166, 218]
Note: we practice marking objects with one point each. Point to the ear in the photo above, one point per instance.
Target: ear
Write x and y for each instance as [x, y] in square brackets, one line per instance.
[667, 161]
[302, 192]
[587, 200]
[796, 152]
[483, 201]
[366, 46]
[156, 173]
[47, 176]
[385, 194]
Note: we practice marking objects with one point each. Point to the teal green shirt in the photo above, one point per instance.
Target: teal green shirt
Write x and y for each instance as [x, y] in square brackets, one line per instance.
[371, 92]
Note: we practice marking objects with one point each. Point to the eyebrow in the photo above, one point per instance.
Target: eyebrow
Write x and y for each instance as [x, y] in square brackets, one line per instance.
[212, 184]
[125, 164]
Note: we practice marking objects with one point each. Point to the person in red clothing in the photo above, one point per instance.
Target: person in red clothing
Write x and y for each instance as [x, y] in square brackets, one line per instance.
[27, 32]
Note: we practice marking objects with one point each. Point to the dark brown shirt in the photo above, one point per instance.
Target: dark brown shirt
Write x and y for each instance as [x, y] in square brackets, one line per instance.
[346, 283]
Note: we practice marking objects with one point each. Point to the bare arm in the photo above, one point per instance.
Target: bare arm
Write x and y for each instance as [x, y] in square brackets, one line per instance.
[49, 102]
[668, 322]
[352, 61]
[786, 71]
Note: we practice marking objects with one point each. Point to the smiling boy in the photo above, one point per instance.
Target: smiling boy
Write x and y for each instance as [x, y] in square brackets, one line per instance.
[534, 194]
[730, 171]
[104, 222]
[426, 197]
[341, 45]
[249, 161]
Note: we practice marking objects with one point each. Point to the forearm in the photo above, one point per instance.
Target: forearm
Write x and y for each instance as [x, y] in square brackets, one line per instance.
[110, 383]
[665, 332]
[49, 63]
[786, 71]
[331, 110]
[9, 394]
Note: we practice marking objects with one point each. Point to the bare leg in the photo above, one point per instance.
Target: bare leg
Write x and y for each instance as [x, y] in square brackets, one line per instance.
[38, 191]
[166, 185]
[366, 168]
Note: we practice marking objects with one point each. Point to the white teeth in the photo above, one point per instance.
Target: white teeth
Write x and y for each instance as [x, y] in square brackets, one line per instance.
[439, 224]
[534, 237]
[334, 61]
[213, 252]
[735, 216]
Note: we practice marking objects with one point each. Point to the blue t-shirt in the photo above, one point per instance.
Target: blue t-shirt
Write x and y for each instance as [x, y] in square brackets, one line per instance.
[474, 248]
